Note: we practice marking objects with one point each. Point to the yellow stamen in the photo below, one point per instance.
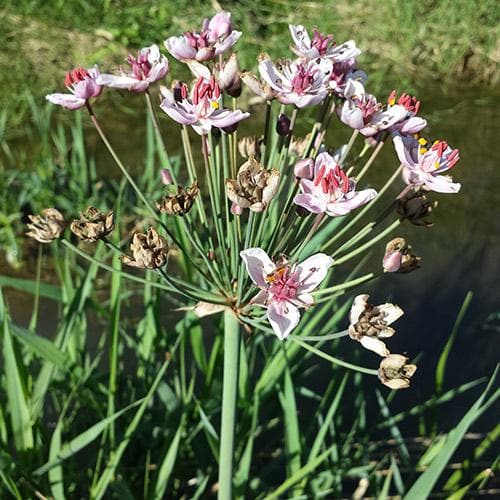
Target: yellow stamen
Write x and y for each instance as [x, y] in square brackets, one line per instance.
[422, 151]
[436, 165]
[422, 141]
[392, 101]
[214, 104]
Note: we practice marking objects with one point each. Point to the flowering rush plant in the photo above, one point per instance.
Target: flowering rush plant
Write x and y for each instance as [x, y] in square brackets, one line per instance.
[269, 231]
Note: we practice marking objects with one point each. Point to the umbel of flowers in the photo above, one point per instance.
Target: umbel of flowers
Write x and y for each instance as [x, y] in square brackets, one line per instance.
[269, 237]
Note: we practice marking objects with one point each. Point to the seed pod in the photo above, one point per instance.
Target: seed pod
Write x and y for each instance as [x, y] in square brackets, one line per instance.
[254, 187]
[395, 372]
[93, 224]
[180, 203]
[399, 257]
[149, 251]
[415, 207]
[46, 227]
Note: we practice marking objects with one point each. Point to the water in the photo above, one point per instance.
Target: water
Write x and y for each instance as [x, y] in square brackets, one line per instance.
[460, 253]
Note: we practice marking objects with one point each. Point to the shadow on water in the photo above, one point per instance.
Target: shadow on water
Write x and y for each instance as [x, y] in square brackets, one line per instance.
[460, 253]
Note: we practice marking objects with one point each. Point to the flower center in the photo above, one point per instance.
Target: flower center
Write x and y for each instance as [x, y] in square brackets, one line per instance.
[410, 103]
[140, 65]
[75, 76]
[303, 79]
[334, 182]
[322, 42]
[283, 283]
[198, 40]
[206, 95]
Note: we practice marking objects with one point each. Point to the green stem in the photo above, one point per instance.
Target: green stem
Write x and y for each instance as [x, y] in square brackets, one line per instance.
[229, 392]
[336, 361]
[162, 150]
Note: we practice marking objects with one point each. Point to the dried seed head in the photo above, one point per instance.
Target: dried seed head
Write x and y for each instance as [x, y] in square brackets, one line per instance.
[298, 145]
[250, 146]
[415, 207]
[93, 224]
[395, 372]
[149, 251]
[399, 257]
[180, 203]
[46, 227]
[255, 186]
[369, 324]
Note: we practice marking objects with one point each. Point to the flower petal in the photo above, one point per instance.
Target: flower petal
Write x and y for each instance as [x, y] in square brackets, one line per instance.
[310, 202]
[122, 82]
[179, 48]
[258, 265]
[283, 317]
[226, 118]
[375, 345]
[358, 307]
[68, 101]
[313, 271]
[344, 207]
[391, 312]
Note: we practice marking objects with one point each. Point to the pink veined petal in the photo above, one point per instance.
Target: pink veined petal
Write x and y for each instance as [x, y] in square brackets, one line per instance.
[258, 265]
[153, 53]
[357, 308]
[272, 76]
[205, 54]
[412, 176]
[68, 101]
[221, 47]
[374, 344]
[304, 169]
[304, 300]
[260, 299]
[177, 113]
[301, 101]
[88, 87]
[199, 70]
[441, 184]
[219, 25]
[158, 71]
[344, 207]
[122, 82]
[310, 202]
[352, 116]
[324, 159]
[313, 271]
[202, 127]
[283, 316]
[301, 38]
[344, 51]
[402, 145]
[413, 125]
[225, 118]
[179, 48]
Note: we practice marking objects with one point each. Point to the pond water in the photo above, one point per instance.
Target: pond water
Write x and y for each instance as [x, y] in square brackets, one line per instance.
[460, 253]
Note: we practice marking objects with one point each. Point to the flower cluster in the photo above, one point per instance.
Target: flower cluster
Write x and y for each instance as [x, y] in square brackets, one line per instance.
[298, 191]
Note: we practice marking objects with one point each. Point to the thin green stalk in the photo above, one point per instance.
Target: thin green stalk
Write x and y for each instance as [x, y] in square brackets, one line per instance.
[314, 227]
[345, 285]
[368, 244]
[267, 124]
[372, 158]
[354, 135]
[229, 392]
[334, 360]
[159, 137]
[364, 210]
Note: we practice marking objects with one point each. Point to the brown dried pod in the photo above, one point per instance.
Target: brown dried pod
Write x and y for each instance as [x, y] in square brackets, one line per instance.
[254, 187]
[180, 203]
[46, 227]
[149, 250]
[395, 372]
[93, 224]
[415, 207]
[399, 257]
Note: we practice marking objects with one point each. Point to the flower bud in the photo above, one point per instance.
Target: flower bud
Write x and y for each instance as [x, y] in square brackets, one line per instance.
[180, 203]
[93, 224]
[283, 125]
[395, 372]
[149, 251]
[254, 187]
[166, 176]
[399, 257]
[229, 79]
[46, 227]
[415, 207]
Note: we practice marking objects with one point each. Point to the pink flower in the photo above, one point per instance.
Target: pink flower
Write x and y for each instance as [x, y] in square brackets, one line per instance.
[302, 83]
[343, 72]
[148, 67]
[321, 45]
[422, 166]
[363, 112]
[329, 190]
[216, 36]
[203, 110]
[284, 287]
[82, 84]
